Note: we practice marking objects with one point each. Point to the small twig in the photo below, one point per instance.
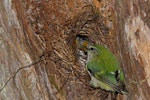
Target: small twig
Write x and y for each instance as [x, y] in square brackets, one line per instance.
[15, 73]
[64, 83]
[141, 81]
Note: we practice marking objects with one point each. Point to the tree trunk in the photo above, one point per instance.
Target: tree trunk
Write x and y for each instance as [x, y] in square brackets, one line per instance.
[38, 54]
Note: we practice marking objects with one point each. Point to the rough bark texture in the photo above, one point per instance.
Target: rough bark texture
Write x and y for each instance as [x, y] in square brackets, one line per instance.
[38, 59]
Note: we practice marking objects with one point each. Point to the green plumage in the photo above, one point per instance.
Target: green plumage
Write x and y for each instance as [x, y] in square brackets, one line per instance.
[104, 69]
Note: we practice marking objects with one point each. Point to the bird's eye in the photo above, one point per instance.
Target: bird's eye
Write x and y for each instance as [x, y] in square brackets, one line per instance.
[91, 48]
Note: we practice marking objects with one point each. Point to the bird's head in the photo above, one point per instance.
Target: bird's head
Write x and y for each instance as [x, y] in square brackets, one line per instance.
[93, 50]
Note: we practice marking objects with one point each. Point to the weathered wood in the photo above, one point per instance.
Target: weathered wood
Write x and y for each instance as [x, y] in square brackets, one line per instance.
[134, 41]
[37, 50]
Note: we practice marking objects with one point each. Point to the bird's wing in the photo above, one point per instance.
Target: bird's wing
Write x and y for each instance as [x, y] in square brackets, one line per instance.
[110, 80]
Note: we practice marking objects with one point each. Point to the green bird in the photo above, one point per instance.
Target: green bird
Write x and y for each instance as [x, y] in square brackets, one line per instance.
[104, 69]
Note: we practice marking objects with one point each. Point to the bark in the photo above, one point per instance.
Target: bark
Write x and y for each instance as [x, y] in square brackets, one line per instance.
[38, 54]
